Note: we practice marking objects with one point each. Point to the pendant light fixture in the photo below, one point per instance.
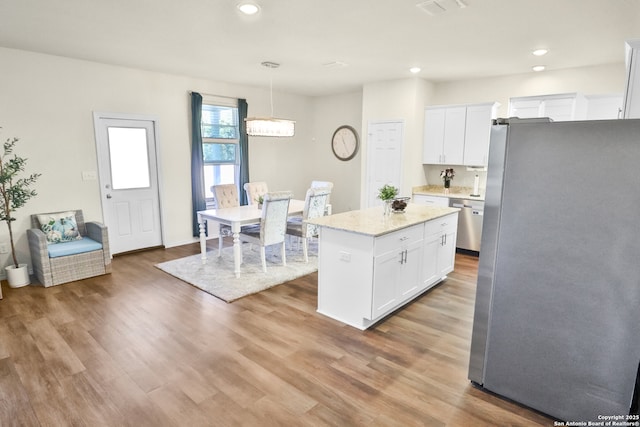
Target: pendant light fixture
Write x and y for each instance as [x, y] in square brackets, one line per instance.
[270, 126]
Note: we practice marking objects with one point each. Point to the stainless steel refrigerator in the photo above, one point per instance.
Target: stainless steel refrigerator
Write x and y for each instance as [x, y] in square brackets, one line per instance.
[557, 313]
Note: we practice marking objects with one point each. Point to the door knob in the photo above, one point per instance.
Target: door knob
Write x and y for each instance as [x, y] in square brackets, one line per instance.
[108, 196]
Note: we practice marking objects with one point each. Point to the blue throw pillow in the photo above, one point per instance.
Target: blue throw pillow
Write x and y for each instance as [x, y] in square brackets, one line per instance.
[60, 227]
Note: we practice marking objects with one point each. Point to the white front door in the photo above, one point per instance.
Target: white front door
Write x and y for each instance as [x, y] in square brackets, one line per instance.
[127, 165]
[384, 165]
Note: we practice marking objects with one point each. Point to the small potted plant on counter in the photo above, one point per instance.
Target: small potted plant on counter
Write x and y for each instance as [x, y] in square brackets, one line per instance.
[14, 193]
[387, 193]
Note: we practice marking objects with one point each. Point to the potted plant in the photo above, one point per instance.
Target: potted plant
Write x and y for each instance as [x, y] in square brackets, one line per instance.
[387, 193]
[14, 193]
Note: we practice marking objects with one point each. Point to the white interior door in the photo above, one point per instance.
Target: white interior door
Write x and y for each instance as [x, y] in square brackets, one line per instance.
[127, 164]
[384, 164]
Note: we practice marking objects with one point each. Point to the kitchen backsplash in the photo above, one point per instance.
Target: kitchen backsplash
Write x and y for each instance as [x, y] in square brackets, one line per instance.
[463, 177]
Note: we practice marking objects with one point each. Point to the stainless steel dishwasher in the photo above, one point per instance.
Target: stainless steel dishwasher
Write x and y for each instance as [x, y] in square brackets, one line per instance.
[469, 223]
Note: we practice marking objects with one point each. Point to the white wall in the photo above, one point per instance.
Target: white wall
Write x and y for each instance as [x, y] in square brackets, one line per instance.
[48, 101]
[329, 113]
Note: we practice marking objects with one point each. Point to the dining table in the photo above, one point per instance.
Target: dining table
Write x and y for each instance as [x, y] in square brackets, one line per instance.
[236, 217]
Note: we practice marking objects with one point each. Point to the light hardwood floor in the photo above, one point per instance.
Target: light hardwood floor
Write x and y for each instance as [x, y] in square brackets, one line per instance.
[142, 348]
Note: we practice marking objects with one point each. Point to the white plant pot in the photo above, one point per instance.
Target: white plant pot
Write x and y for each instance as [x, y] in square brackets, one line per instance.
[17, 277]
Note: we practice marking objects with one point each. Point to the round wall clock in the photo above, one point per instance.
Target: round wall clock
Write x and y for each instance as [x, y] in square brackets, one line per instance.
[344, 142]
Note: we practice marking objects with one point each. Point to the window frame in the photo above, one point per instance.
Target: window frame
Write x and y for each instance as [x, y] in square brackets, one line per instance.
[217, 101]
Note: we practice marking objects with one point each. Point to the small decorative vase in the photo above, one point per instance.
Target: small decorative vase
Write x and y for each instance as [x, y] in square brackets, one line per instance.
[447, 184]
[387, 207]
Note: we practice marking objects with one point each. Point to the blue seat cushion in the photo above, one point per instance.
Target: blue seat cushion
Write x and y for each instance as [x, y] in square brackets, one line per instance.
[73, 247]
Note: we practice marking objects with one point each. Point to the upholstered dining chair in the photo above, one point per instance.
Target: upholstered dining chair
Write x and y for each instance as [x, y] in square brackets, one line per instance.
[224, 196]
[273, 225]
[315, 202]
[64, 248]
[254, 190]
[324, 184]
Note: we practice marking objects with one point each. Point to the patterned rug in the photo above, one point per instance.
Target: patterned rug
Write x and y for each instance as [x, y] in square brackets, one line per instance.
[216, 276]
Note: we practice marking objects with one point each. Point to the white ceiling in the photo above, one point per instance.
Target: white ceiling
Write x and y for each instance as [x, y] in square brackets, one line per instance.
[377, 39]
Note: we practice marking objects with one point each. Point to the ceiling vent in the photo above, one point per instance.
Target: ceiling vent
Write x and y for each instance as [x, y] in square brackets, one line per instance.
[436, 7]
[334, 64]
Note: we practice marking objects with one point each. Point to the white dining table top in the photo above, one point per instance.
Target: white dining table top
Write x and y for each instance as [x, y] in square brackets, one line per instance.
[247, 213]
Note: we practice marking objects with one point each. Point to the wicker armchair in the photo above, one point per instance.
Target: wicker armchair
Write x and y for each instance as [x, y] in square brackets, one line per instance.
[88, 257]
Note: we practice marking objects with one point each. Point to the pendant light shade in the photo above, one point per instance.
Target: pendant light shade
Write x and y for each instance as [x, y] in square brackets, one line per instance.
[270, 126]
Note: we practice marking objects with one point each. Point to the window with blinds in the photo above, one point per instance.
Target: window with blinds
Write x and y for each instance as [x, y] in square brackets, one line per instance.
[220, 137]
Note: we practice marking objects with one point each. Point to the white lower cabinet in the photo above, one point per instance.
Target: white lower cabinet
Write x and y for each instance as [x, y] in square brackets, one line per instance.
[431, 200]
[440, 249]
[396, 271]
[363, 278]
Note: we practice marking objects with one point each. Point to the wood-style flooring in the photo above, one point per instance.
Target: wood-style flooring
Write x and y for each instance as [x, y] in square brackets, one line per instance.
[139, 347]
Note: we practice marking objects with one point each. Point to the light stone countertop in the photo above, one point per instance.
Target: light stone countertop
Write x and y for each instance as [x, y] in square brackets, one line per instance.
[373, 222]
[454, 192]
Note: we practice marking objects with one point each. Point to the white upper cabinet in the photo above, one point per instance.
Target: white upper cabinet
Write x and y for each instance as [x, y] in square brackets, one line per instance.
[559, 107]
[477, 133]
[444, 135]
[458, 134]
[604, 107]
[632, 90]
[525, 108]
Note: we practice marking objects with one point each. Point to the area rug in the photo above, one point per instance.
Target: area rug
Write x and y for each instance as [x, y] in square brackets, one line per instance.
[217, 278]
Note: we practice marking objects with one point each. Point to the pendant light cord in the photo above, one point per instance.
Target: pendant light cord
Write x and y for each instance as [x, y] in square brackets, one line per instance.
[271, 91]
[271, 66]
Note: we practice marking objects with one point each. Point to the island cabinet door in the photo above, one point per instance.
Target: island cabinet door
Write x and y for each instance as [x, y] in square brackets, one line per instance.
[439, 249]
[386, 269]
[430, 271]
[447, 253]
[396, 269]
[411, 271]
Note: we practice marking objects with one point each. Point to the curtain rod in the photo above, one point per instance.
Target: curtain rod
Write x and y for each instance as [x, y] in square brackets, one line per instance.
[210, 94]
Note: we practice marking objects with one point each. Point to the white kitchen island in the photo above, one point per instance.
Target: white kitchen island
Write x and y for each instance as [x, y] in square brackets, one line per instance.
[370, 264]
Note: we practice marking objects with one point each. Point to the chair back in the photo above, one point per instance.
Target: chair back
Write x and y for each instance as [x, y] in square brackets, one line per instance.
[225, 196]
[325, 184]
[255, 190]
[82, 229]
[273, 224]
[315, 202]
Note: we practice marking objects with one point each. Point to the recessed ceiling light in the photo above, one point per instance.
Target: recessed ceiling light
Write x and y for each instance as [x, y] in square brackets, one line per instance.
[248, 8]
[538, 68]
[540, 52]
[415, 70]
